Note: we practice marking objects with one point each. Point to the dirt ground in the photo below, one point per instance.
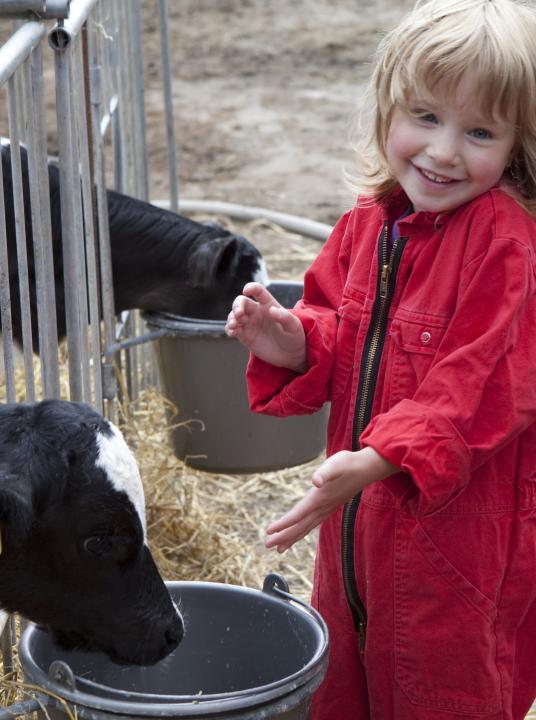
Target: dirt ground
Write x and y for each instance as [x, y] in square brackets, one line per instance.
[264, 96]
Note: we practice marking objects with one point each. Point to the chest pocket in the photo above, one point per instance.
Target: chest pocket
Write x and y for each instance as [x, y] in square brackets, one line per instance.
[350, 316]
[413, 348]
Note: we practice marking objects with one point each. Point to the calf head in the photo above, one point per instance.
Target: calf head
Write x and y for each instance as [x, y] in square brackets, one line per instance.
[72, 519]
[218, 269]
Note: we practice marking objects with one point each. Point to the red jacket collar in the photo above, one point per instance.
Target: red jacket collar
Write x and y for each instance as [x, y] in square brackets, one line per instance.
[394, 205]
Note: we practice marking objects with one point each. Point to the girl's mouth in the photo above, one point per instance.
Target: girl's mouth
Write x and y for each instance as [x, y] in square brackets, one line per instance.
[435, 178]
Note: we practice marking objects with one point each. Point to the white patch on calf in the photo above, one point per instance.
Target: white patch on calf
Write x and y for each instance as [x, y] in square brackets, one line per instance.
[261, 276]
[121, 468]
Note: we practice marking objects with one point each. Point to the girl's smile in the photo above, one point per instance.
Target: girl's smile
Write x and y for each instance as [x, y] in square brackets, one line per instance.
[434, 178]
[444, 153]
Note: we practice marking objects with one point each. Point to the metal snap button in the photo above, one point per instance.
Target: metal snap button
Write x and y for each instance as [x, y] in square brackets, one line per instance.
[426, 337]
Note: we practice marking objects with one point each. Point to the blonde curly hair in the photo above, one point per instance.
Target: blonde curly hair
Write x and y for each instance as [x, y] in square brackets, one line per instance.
[440, 40]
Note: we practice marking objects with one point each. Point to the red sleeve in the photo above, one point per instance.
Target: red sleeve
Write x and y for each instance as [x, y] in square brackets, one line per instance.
[480, 392]
[279, 391]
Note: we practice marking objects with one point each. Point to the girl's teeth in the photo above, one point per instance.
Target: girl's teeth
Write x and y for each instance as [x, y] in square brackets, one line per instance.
[436, 178]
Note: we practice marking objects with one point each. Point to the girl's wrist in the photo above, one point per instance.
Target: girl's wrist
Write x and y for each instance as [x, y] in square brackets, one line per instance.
[299, 366]
[297, 361]
[377, 467]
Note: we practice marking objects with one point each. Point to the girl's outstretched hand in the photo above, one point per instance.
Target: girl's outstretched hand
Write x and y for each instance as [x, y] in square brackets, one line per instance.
[336, 481]
[267, 329]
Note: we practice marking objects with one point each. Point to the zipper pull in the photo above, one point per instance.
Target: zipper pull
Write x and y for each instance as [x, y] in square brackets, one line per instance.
[384, 280]
[362, 630]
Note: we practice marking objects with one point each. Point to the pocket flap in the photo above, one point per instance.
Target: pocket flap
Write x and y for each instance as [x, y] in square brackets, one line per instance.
[417, 337]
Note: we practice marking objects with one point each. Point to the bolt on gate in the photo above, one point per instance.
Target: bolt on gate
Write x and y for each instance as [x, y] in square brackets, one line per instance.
[72, 80]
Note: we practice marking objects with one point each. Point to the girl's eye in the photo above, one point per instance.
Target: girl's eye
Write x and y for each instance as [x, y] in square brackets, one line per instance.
[428, 117]
[480, 134]
[424, 116]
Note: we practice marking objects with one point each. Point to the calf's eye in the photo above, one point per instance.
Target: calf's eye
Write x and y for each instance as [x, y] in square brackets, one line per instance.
[98, 545]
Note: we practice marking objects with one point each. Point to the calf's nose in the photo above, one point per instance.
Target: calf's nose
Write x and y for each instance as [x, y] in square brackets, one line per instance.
[174, 633]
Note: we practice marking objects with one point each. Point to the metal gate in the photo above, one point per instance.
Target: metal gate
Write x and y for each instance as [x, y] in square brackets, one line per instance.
[71, 77]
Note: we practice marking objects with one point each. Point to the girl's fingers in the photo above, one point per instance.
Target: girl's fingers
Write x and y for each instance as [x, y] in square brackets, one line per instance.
[258, 292]
[241, 310]
[240, 306]
[318, 480]
[285, 539]
[296, 514]
[286, 319]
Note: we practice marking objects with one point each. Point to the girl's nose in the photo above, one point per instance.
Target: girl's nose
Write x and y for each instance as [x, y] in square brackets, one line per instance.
[443, 149]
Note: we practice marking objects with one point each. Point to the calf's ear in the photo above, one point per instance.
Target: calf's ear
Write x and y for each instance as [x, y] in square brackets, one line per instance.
[210, 260]
[15, 509]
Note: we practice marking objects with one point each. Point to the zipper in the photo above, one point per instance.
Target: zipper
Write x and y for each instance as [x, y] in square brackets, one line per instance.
[388, 262]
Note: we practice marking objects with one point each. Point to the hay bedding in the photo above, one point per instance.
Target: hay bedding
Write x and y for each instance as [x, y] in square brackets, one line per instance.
[210, 526]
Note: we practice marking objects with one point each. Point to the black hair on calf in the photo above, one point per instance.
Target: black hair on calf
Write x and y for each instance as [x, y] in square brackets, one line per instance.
[161, 261]
[74, 555]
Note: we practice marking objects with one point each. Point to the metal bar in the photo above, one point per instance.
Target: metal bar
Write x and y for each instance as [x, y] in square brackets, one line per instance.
[51, 374]
[6, 643]
[77, 104]
[129, 144]
[23, 708]
[140, 360]
[4, 617]
[19, 7]
[5, 301]
[114, 57]
[124, 78]
[140, 340]
[107, 118]
[168, 104]
[78, 14]
[42, 8]
[41, 224]
[136, 72]
[89, 226]
[105, 256]
[20, 234]
[106, 49]
[18, 48]
[68, 181]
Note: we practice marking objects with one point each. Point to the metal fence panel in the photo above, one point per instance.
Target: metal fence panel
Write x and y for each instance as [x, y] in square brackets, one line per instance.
[96, 50]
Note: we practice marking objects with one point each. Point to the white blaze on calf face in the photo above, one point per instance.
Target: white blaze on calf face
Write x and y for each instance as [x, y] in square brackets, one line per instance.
[121, 468]
[261, 276]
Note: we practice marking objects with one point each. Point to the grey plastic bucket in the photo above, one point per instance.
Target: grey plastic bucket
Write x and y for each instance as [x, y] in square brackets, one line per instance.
[246, 655]
[202, 372]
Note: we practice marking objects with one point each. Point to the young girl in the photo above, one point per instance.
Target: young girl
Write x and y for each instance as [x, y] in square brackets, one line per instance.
[418, 324]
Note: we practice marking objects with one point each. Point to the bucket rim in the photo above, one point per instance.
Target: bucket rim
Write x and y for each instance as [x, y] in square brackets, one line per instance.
[190, 325]
[184, 324]
[118, 701]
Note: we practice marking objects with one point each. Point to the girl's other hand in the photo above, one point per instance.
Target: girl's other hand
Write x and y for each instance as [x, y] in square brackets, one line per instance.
[336, 481]
[267, 329]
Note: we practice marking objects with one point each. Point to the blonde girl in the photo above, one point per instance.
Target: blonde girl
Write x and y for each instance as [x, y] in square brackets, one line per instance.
[418, 324]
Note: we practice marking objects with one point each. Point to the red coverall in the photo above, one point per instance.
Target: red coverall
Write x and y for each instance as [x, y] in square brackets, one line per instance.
[428, 355]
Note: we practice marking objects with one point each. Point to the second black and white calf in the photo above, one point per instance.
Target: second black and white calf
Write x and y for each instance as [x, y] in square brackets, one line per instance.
[74, 554]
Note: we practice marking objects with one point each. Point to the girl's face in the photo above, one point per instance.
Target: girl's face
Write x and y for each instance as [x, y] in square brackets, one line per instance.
[446, 153]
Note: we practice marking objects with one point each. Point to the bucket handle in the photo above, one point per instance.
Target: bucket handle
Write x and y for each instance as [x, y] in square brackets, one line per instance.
[61, 673]
[275, 584]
